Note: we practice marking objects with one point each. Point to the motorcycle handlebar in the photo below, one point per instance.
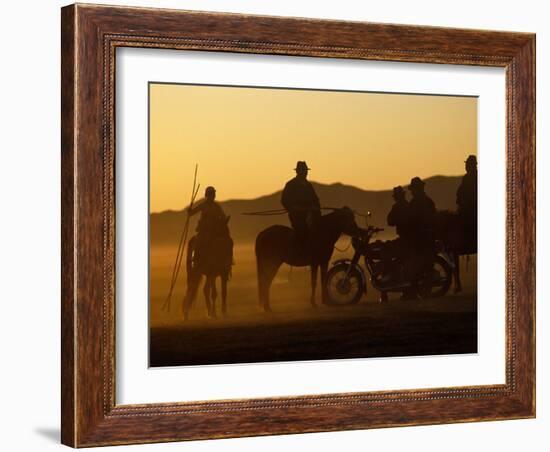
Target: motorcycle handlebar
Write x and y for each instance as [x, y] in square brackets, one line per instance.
[373, 229]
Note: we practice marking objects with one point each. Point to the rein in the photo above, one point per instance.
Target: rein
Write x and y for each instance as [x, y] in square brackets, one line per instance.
[265, 213]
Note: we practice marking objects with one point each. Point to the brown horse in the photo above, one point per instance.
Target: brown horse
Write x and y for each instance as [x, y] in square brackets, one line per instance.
[215, 262]
[449, 229]
[277, 245]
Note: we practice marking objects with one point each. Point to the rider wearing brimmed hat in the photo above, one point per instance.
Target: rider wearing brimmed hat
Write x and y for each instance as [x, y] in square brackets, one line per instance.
[301, 202]
[466, 201]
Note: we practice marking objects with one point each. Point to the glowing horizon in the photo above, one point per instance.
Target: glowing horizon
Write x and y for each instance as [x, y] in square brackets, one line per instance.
[387, 139]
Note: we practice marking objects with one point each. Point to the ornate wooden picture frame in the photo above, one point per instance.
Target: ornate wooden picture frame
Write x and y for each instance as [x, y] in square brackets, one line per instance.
[90, 37]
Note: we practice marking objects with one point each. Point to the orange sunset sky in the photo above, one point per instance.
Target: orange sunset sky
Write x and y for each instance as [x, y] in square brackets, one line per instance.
[246, 141]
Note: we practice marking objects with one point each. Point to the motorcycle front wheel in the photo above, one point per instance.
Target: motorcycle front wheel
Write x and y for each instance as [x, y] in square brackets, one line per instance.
[344, 288]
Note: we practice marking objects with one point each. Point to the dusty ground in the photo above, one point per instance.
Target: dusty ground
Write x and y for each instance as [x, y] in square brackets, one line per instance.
[295, 331]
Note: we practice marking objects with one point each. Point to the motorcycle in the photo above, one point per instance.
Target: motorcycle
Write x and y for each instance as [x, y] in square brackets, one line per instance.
[346, 280]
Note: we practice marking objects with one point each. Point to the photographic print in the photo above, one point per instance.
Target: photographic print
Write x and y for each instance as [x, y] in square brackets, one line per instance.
[291, 207]
[292, 224]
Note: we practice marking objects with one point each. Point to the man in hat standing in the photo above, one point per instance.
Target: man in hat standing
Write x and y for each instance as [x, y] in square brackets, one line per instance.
[466, 200]
[422, 210]
[399, 215]
[301, 202]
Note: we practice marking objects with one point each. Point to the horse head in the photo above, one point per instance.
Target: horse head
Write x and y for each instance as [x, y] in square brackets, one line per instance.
[346, 221]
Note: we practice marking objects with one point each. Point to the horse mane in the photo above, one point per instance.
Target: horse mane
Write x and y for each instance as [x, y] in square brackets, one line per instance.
[336, 213]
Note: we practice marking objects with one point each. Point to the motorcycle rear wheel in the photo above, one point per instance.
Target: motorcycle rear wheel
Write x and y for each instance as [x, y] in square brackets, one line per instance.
[343, 291]
[444, 274]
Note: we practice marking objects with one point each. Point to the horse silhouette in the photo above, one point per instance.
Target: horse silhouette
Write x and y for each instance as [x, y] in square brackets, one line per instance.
[449, 229]
[214, 260]
[277, 245]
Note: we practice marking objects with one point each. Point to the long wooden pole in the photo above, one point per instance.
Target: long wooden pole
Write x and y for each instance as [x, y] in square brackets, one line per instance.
[182, 243]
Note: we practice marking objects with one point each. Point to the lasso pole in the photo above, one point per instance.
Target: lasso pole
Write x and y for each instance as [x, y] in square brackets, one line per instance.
[182, 243]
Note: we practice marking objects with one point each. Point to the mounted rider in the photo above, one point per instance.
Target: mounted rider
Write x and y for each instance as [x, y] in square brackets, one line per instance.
[301, 202]
[211, 228]
[466, 201]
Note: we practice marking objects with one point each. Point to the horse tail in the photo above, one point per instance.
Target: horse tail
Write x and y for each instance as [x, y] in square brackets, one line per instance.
[189, 259]
[259, 270]
[269, 246]
[193, 275]
[264, 271]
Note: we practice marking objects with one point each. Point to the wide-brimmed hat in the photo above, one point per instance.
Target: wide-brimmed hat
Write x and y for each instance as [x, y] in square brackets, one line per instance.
[416, 182]
[398, 191]
[471, 159]
[301, 165]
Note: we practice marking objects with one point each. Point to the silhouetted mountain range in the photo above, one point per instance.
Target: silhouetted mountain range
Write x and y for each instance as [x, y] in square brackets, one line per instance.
[166, 227]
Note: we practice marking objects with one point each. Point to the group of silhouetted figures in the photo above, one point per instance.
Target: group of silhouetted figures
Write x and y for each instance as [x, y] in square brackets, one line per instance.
[418, 226]
[415, 219]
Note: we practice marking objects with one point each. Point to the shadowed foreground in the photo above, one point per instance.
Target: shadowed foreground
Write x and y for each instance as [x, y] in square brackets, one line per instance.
[398, 328]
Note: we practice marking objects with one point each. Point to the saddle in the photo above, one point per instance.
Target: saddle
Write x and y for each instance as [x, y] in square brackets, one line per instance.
[212, 254]
[213, 248]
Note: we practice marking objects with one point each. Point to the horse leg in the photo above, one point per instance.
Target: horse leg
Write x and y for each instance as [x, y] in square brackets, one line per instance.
[214, 294]
[190, 295]
[186, 305]
[206, 293]
[458, 283]
[194, 286]
[224, 294]
[314, 269]
[266, 272]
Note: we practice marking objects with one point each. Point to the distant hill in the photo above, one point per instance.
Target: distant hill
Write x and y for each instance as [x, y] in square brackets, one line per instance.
[165, 227]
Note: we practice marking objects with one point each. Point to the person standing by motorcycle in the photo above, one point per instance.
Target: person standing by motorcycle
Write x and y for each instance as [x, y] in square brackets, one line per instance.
[422, 216]
[400, 217]
[466, 201]
[400, 214]
[301, 202]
